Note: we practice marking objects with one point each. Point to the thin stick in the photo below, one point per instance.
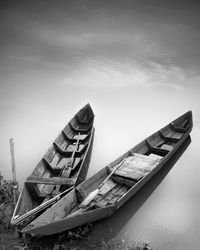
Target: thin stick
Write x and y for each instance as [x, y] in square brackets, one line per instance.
[75, 149]
[13, 170]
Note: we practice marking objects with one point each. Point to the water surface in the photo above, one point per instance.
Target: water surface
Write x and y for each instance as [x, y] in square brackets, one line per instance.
[165, 211]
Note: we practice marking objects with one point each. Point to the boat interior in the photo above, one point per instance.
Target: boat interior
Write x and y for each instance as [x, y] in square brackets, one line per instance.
[59, 169]
[139, 162]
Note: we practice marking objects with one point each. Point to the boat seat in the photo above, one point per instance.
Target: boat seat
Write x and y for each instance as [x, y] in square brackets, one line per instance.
[168, 138]
[136, 166]
[72, 147]
[32, 184]
[178, 129]
[156, 150]
[63, 163]
[60, 150]
[82, 137]
[50, 181]
[80, 128]
[50, 167]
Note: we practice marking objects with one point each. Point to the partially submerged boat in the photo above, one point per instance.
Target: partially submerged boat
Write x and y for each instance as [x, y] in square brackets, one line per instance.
[102, 194]
[64, 166]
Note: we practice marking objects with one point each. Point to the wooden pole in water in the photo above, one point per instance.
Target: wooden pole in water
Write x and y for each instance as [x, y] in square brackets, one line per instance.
[14, 178]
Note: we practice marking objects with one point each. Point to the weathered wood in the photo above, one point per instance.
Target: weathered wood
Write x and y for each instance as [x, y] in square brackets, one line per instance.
[178, 129]
[167, 147]
[81, 128]
[50, 181]
[60, 150]
[105, 204]
[176, 135]
[45, 177]
[15, 185]
[167, 138]
[123, 181]
[156, 150]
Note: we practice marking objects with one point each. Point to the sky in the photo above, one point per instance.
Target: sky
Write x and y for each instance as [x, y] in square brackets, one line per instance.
[136, 62]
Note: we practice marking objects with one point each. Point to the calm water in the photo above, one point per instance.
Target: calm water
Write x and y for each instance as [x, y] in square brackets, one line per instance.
[165, 210]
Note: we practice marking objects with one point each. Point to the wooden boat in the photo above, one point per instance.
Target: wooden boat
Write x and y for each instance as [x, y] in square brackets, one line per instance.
[101, 195]
[64, 166]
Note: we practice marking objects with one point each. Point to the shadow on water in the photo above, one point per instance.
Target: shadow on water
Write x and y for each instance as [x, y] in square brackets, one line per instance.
[108, 228]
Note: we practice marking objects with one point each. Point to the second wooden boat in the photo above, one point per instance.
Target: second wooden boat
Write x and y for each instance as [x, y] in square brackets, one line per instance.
[64, 166]
[105, 192]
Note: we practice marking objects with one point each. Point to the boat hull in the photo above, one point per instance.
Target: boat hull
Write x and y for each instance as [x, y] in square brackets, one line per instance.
[47, 225]
[48, 173]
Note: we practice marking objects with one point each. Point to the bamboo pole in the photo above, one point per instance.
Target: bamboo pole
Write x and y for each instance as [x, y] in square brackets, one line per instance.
[14, 178]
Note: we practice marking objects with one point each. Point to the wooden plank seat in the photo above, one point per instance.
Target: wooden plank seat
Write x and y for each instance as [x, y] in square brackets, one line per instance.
[51, 186]
[63, 163]
[82, 137]
[51, 181]
[80, 128]
[178, 129]
[156, 150]
[174, 134]
[79, 150]
[60, 150]
[136, 166]
[70, 149]
[168, 138]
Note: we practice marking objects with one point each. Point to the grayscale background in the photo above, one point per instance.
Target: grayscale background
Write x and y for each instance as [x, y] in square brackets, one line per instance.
[138, 64]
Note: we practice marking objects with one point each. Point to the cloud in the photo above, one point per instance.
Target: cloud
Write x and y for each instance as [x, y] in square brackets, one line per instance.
[110, 74]
[103, 44]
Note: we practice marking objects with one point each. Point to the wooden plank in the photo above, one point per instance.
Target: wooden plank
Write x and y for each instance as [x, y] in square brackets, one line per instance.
[167, 147]
[73, 146]
[175, 135]
[137, 166]
[155, 149]
[123, 181]
[178, 129]
[80, 128]
[82, 137]
[107, 187]
[55, 159]
[168, 138]
[131, 174]
[50, 181]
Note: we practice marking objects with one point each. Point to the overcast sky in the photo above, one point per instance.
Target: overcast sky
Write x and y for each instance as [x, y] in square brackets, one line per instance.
[137, 62]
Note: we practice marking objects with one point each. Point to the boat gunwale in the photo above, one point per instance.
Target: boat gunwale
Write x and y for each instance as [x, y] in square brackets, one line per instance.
[134, 188]
[20, 219]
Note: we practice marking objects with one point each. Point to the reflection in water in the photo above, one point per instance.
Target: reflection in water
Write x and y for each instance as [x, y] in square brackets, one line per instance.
[111, 227]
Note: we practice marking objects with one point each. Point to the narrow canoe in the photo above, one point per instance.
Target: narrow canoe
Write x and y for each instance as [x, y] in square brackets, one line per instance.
[127, 174]
[64, 166]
